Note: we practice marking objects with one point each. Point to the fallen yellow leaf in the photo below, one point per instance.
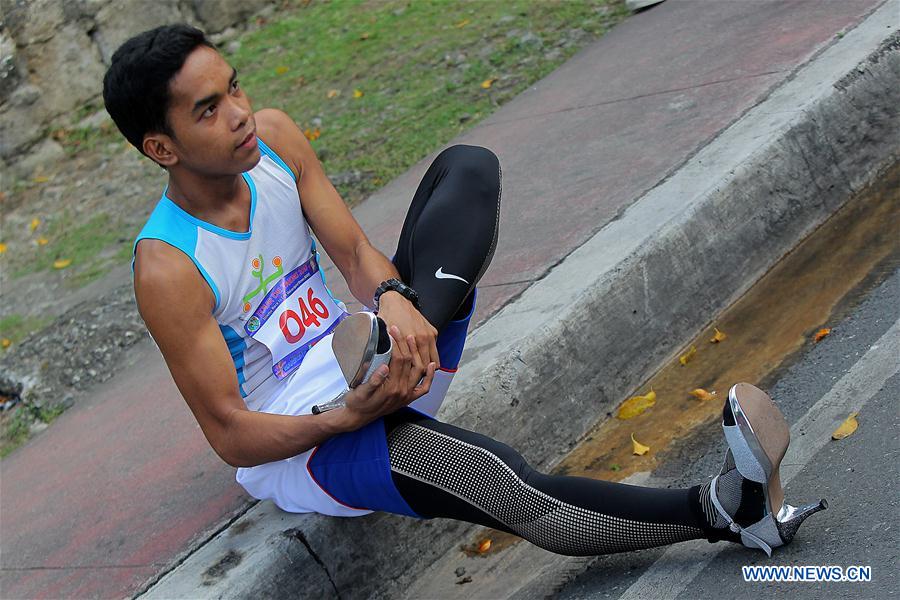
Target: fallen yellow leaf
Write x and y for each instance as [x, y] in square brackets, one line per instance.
[488, 82]
[639, 448]
[312, 134]
[42, 241]
[5, 342]
[35, 223]
[2, 247]
[718, 337]
[702, 394]
[846, 428]
[484, 546]
[684, 358]
[357, 93]
[462, 23]
[41, 179]
[636, 405]
[62, 263]
[364, 36]
[333, 93]
[821, 334]
[281, 70]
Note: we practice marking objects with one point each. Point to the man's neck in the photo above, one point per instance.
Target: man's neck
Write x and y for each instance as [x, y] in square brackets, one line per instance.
[222, 200]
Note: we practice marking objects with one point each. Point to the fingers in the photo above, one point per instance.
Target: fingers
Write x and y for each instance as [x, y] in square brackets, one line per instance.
[425, 386]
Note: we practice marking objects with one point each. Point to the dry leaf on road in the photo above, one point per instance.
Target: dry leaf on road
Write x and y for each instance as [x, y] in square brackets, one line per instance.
[846, 428]
[820, 334]
[636, 405]
[702, 394]
[62, 263]
[684, 358]
[717, 337]
[638, 448]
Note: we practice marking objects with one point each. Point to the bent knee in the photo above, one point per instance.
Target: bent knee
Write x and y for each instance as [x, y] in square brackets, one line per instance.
[473, 162]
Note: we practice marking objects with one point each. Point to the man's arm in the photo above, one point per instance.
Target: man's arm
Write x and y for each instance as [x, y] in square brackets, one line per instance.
[201, 365]
[361, 264]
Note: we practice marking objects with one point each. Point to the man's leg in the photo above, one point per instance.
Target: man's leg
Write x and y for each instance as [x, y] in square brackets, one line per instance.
[450, 231]
[444, 471]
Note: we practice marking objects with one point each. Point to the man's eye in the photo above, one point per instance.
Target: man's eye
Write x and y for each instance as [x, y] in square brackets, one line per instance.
[234, 84]
[209, 111]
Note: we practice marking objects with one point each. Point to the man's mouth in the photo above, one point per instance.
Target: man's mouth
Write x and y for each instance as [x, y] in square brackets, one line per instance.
[247, 140]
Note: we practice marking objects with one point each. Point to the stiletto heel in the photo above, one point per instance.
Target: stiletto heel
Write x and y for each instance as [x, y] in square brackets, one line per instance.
[789, 522]
[758, 437]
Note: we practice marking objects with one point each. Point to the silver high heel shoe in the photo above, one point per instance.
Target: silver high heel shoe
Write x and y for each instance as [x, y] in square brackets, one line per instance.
[758, 437]
[361, 343]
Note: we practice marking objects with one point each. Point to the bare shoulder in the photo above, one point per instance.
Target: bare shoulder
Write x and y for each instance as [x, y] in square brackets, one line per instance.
[282, 135]
[164, 277]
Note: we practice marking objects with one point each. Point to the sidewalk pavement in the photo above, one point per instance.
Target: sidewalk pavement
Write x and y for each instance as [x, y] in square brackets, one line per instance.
[123, 487]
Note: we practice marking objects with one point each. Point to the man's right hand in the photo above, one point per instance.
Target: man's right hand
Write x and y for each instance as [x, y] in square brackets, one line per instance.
[390, 388]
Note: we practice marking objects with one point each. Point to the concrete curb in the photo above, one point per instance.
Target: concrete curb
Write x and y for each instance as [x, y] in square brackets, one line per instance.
[542, 370]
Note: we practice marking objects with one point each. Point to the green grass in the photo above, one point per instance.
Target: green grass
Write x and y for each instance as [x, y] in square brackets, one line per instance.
[393, 51]
[85, 243]
[14, 327]
[17, 425]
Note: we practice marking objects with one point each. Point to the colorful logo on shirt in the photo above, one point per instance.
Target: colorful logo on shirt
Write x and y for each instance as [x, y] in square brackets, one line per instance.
[257, 265]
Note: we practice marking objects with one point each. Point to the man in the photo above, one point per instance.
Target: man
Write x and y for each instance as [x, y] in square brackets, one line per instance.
[227, 280]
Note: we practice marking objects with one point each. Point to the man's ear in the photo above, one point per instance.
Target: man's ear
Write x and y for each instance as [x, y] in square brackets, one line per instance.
[160, 148]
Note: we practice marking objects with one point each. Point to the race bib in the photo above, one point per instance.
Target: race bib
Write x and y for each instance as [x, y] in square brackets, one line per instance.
[294, 316]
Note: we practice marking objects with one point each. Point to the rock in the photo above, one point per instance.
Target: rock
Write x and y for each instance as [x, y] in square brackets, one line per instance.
[233, 46]
[553, 54]
[216, 15]
[67, 68]
[95, 120]
[37, 427]
[530, 40]
[460, 571]
[119, 20]
[20, 127]
[25, 95]
[9, 70]
[44, 157]
[513, 33]
[464, 117]
[316, 121]
[506, 19]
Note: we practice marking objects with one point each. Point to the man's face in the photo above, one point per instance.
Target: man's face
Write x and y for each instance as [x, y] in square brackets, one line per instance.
[211, 116]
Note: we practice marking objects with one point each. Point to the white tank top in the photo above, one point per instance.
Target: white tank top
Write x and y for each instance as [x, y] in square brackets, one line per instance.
[244, 269]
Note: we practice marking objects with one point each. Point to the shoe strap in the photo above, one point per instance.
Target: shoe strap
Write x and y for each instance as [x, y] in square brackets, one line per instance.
[732, 524]
[378, 360]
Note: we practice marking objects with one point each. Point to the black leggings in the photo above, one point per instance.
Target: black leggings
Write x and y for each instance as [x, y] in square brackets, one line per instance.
[444, 471]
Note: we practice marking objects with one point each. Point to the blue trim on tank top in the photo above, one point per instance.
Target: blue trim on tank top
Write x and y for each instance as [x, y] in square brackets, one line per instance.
[234, 235]
[164, 227]
[236, 346]
[264, 148]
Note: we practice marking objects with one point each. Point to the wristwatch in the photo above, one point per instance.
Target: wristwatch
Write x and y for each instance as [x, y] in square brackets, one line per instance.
[396, 285]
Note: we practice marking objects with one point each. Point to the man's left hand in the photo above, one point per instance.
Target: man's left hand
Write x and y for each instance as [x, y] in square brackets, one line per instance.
[394, 309]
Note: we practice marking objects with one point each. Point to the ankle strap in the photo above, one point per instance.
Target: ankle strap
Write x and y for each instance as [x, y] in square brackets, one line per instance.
[732, 524]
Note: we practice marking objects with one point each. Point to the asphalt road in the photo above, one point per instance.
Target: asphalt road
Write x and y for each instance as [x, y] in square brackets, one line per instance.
[853, 369]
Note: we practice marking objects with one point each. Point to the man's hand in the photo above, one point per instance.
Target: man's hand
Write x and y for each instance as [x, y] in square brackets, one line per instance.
[394, 309]
[391, 387]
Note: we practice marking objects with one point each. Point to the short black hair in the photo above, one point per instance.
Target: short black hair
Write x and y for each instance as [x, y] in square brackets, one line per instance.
[136, 85]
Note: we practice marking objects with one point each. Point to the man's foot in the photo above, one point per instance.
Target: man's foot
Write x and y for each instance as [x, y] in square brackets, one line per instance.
[745, 502]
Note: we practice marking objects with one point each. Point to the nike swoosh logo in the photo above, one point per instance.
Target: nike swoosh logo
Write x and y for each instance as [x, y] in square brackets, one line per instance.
[441, 275]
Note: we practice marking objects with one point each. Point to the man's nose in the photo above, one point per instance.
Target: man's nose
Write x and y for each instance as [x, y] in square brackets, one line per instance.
[240, 114]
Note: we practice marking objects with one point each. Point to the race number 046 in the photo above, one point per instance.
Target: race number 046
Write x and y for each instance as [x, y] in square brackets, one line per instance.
[308, 317]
